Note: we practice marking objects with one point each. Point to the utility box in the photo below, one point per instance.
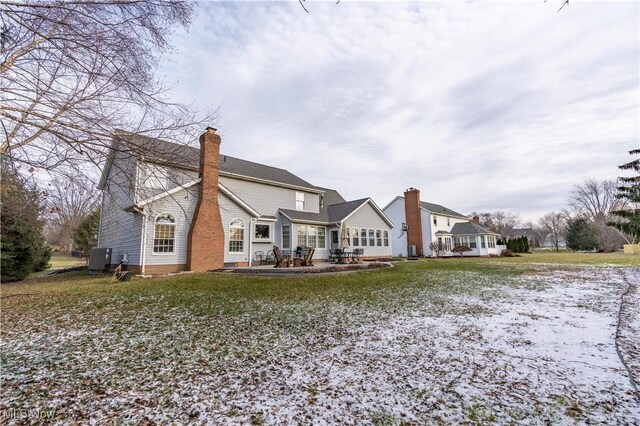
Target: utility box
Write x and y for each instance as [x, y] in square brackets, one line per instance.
[413, 251]
[100, 259]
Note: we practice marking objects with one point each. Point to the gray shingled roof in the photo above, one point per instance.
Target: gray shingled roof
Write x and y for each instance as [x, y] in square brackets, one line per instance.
[438, 209]
[329, 213]
[163, 152]
[443, 233]
[469, 228]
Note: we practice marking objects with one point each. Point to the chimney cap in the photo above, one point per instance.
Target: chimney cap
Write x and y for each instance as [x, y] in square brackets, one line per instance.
[211, 129]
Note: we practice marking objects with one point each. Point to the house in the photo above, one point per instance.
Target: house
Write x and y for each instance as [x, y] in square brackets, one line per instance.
[169, 208]
[426, 223]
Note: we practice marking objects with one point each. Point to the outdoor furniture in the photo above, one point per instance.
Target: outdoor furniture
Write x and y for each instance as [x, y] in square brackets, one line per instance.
[297, 262]
[282, 261]
[259, 257]
[269, 258]
[357, 254]
[334, 255]
[307, 259]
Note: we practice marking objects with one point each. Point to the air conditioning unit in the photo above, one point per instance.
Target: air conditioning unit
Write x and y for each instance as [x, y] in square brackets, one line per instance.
[413, 251]
[100, 259]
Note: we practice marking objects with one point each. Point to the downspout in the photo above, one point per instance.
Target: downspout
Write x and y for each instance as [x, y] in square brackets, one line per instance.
[251, 225]
[143, 250]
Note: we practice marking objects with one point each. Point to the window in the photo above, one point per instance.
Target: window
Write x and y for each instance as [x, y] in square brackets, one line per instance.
[379, 237]
[236, 236]
[334, 237]
[465, 241]
[355, 237]
[483, 243]
[164, 236]
[372, 238]
[385, 237]
[312, 236]
[262, 232]
[154, 176]
[299, 200]
[447, 243]
[363, 237]
[286, 237]
[492, 242]
[448, 221]
[435, 219]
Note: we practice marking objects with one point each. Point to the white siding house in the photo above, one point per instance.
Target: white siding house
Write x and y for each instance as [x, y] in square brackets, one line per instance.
[150, 199]
[442, 226]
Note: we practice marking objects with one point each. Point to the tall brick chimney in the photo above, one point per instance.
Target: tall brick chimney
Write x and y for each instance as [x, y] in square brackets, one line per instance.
[205, 247]
[476, 220]
[414, 219]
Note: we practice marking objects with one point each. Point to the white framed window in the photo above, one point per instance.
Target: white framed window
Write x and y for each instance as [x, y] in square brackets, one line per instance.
[299, 200]
[164, 234]
[312, 236]
[482, 241]
[236, 236]
[435, 219]
[286, 237]
[154, 176]
[262, 232]
[363, 237]
[385, 238]
[448, 221]
[469, 241]
[355, 237]
[372, 238]
[447, 243]
[378, 238]
[491, 243]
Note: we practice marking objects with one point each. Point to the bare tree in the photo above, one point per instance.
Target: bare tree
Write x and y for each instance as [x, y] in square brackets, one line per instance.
[69, 202]
[499, 221]
[438, 248]
[594, 201]
[72, 71]
[554, 226]
[538, 233]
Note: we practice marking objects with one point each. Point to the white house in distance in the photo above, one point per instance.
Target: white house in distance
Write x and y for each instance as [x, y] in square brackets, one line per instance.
[427, 223]
[169, 208]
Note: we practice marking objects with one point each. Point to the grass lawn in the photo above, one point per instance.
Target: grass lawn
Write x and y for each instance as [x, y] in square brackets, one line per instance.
[433, 341]
[63, 261]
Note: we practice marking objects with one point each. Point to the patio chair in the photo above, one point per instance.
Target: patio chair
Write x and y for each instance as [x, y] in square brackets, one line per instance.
[259, 257]
[269, 258]
[307, 260]
[337, 255]
[282, 261]
[357, 254]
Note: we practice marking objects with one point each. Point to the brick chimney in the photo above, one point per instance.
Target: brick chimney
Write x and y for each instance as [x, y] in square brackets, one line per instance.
[414, 219]
[205, 247]
[476, 220]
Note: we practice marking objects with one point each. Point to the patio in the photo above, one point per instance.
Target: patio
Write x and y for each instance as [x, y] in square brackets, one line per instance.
[317, 268]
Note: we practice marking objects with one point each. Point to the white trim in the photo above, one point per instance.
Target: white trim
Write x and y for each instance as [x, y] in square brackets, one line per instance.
[375, 207]
[303, 221]
[282, 235]
[244, 227]
[238, 201]
[143, 238]
[175, 240]
[262, 240]
[267, 219]
[167, 193]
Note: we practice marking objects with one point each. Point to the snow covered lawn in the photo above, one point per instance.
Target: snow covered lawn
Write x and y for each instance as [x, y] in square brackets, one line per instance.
[424, 342]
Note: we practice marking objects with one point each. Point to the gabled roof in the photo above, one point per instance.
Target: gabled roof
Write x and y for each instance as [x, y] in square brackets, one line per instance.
[186, 157]
[334, 213]
[470, 228]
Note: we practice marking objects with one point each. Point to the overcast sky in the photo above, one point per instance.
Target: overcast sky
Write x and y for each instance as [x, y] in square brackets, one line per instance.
[482, 106]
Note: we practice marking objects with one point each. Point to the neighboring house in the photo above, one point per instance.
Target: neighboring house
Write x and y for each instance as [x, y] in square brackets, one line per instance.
[427, 223]
[169, 208]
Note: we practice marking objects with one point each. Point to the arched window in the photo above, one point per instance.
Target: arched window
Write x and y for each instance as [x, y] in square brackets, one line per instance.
[236, 236]
[164, 236]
